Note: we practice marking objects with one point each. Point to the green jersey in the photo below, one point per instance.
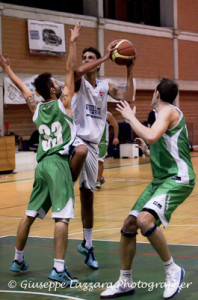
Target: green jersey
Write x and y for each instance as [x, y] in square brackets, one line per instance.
[170, 155]
[56, 129]
[105, 136]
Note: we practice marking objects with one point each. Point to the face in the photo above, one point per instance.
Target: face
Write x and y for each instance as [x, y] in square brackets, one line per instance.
[89, 57]
[57, 88]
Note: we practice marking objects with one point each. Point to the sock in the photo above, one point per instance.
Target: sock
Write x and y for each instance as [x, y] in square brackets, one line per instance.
[169, 263]
[59, 264]
[88, 237]
[19, 255]
[126, 275]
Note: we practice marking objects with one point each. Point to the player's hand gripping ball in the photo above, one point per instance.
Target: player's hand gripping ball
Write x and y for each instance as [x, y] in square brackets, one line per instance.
[124, 52]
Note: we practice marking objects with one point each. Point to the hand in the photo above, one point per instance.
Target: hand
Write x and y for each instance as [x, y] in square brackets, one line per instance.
[111, 47]
[125, 110]
[142, 145]
[115, 141]
[4, 61]
[75, 33]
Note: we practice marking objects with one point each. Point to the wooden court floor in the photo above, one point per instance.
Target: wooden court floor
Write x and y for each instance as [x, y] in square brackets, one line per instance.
[125, 181]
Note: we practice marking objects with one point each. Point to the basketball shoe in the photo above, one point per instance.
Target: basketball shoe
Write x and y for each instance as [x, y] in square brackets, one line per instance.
[90, 258]
[174, 277]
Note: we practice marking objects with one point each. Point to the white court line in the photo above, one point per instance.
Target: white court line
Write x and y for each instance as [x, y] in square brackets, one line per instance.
[42, 294]
[97, 240]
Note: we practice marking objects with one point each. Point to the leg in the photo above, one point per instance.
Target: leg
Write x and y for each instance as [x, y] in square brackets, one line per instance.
[128, 243]
[86, 197]
[60, 239]
[174, 274]
[22, 234]
[146, 221]
[59, 272]
[77, 160]
[124, 285]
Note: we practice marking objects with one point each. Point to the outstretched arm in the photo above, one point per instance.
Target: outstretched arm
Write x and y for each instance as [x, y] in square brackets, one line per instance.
[84, 68]
[27, 94]
[149, 135]
[68, 90]
[114, 123]
[118, 94]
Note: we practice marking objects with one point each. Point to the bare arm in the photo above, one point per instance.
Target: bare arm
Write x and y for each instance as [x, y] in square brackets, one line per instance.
[84, 68]
[68, 90]
[118, 94]
[149, 135]
[27, 94]
[113, 123]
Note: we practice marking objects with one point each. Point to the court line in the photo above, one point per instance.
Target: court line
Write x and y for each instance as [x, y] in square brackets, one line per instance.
[42, 294]
[97, 240]
[100, 251]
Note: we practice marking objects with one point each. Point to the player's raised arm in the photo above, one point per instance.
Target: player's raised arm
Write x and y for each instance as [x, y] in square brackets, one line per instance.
[68, 89]
[86, 67]
[27, 94]
[119, 94]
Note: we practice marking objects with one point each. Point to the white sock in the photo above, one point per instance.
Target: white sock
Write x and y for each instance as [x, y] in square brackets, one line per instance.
[169, 264]
[19, 255]
[126, 275]
[88, 237]
[59, 264]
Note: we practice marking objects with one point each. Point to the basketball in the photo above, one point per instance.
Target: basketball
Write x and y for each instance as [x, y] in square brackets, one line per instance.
[124, 53]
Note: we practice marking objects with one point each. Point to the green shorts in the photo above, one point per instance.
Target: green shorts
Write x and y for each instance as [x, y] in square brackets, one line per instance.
[102, 151]
[163, 198]
[53, 187]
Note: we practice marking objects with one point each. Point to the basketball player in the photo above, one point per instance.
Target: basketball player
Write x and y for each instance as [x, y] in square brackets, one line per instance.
[174, 180]
[103, 146]
[89, 108]
[53, 186]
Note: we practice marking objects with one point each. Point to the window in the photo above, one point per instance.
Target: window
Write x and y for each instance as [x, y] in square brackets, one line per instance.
[136, 11]
[73, 6]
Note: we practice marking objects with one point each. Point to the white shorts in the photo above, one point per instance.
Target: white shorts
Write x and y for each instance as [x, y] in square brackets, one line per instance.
[89, 172]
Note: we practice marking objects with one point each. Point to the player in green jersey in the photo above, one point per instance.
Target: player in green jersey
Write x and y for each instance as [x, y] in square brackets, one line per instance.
[103, 146]
[53, 185]
[173, 182]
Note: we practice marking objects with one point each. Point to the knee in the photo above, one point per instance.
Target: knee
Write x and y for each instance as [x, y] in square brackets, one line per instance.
[146, 223]
[81, 151]
[129, 227]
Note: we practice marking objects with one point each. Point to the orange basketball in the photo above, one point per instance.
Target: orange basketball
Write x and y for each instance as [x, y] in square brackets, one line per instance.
[124, 53]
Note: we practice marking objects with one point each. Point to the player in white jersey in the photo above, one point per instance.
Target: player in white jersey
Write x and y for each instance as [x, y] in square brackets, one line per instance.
[53, 186]
[89, 108]
[174, 180]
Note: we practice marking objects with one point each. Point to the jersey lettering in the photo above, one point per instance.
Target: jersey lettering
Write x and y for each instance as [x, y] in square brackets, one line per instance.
[48, 141]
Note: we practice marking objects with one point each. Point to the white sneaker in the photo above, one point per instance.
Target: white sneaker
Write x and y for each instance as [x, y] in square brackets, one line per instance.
[174, 278]
[120, 288]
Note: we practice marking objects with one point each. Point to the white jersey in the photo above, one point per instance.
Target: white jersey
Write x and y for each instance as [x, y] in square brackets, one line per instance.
[89, 108]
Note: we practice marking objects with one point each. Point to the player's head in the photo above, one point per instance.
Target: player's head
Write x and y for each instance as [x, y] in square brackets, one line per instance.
[47, 86]
[90, 54]
[166, 91]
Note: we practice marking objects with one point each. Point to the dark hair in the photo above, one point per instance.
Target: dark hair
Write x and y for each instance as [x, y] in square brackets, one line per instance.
[94, 50]
[43, 83]
[168, 90]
